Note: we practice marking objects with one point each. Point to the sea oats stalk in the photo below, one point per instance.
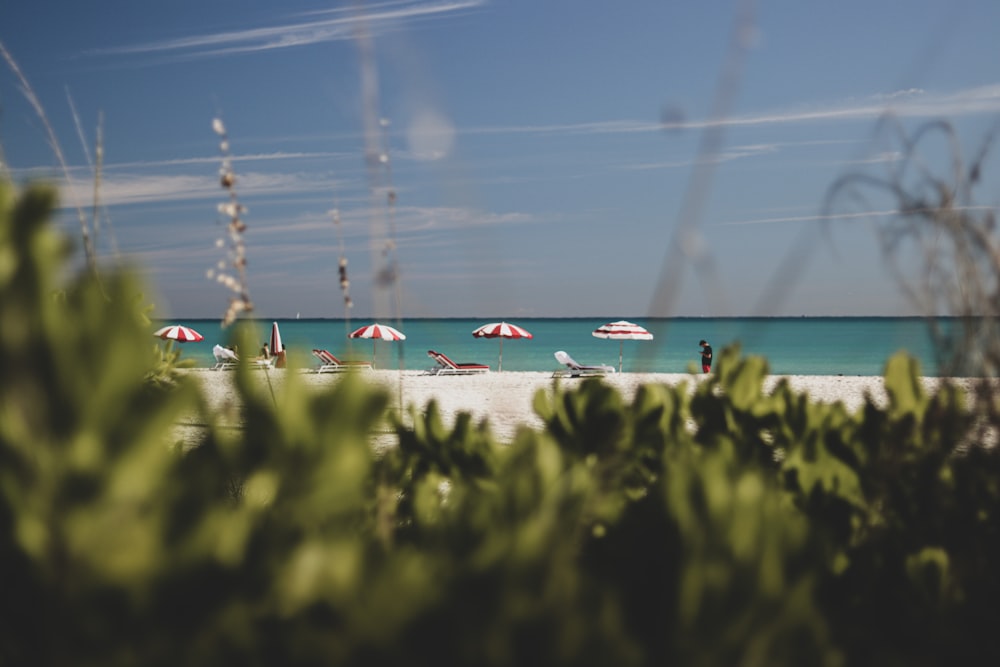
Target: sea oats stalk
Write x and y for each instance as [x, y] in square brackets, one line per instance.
[383, 245]
[231, 271]
[387, 286]
[5, 176]
[36, 104]
[344, 280]
[389, 250]
[96, 165]
[345, 284]
[686, 245]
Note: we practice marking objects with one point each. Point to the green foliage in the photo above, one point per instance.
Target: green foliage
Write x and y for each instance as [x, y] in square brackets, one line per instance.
[82, 447]
[713, 522]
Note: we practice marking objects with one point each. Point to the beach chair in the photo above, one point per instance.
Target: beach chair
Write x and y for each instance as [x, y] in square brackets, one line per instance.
[225, 359]
[331, 364]
[446, 366]
[576, 370]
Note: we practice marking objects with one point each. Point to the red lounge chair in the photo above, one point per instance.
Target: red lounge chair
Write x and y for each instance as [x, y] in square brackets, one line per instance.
[448, 367]
[331, 364]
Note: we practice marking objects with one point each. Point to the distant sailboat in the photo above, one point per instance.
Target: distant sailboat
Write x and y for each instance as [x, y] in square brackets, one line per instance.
[297, 315]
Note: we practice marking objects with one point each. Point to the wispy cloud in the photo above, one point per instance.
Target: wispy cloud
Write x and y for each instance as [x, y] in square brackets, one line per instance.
[117, 190]
[409, 220]
[912, 103]
[879, 158]
[126, 183]
[808, 218]
[734, 153]
[594, 127]
[418, 226]
[443, 218]
[817, 217]
[335, 25]
[110, 168]
[276, 156]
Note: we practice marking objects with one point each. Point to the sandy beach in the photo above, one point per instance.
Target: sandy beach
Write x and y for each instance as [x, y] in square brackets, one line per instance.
[505, 398]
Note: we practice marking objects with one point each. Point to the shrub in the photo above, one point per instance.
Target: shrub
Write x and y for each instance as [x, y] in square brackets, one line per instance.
[716, 523]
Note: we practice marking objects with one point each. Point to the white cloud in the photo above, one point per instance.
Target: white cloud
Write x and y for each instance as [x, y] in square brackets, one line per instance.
[123, 183]
[416, 219]
[913, 103]
[734, 153]
[905, 104]
[336, 25]
[117, 190]
[856, 215]
[276, 156]
[879, 158]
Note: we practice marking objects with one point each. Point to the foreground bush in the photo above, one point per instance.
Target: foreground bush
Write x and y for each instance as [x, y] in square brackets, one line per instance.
[715, 524]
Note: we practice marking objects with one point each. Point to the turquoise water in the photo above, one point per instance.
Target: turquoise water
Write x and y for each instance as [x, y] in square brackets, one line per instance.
[793, 346]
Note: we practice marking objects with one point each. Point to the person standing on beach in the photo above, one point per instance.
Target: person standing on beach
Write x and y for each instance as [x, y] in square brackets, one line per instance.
[706, 356]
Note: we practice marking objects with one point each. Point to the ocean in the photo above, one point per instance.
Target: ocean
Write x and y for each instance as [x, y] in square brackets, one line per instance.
[792, 345]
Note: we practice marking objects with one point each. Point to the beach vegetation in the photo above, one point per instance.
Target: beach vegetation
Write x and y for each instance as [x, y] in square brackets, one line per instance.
[936, 217]
[713, 522]
[231, 271]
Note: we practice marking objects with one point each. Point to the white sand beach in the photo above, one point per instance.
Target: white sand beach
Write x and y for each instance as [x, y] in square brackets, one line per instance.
[505, 398]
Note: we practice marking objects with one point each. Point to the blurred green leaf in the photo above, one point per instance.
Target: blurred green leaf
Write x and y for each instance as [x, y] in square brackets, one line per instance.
[713, 522]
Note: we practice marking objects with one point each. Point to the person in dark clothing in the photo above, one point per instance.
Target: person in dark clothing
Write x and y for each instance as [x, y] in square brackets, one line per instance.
[706, 356]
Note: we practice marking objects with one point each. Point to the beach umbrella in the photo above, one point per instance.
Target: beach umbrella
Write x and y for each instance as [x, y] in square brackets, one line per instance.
[377, 331]
[179, 333]
[274, 345]
[622, 331]
[501, 330]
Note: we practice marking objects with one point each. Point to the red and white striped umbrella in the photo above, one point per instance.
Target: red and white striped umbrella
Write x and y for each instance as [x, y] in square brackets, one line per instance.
[622, 331]
[501, 330]
[179, 333]
[375, 332]
[274, 344]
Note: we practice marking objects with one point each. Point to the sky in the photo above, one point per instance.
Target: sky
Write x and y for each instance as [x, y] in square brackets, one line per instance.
[504, 158]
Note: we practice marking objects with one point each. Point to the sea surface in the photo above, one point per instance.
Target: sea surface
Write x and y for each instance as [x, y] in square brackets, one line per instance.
[792, 346]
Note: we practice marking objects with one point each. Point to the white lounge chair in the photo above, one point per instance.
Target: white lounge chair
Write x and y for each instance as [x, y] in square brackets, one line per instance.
[448, 367]
[576, 370]
[331, 364]
[225, 359]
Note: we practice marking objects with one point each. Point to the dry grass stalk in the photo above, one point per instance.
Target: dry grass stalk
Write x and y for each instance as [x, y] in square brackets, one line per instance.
[32, 98]
[344, 280]
[937, 220]
[97, 170]
[387, 296]
[687, 246]
[231, 271]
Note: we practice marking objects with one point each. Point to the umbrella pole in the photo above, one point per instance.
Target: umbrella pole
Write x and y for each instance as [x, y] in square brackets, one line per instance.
[500, 364]
[621, 344]
[374, 342]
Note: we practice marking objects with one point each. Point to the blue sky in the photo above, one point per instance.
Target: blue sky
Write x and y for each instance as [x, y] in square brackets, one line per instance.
[548, 158]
